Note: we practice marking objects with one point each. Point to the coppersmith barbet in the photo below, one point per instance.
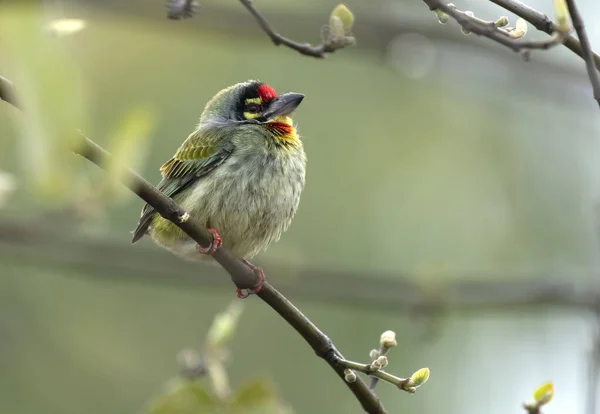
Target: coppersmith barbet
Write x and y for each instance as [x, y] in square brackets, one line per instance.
[240, 173]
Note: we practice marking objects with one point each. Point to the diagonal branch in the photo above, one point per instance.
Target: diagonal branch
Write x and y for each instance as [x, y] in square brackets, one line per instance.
[319, 51]
[587, 53]
[240, 274]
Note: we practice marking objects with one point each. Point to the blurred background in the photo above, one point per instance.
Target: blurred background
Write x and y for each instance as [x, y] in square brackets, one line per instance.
[452, 196]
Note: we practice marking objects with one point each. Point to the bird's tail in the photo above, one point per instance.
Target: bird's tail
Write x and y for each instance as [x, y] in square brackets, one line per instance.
[142, 228]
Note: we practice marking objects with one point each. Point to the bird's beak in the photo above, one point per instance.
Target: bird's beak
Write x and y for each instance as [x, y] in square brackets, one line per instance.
[282, 105]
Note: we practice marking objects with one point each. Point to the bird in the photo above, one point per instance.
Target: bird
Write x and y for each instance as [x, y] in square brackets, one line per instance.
[240, 173]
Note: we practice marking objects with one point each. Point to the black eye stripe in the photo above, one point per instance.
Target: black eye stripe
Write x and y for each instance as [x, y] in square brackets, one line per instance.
[250, 91]
[253, 108]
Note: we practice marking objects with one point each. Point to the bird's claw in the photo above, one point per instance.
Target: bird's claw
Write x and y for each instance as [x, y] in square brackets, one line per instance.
[216, 242]
[260, 275]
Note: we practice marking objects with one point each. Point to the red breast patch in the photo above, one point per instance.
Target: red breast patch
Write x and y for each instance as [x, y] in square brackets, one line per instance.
[266, 93]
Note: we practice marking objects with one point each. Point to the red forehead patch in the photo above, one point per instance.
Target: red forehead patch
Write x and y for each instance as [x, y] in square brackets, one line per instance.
[266, 93]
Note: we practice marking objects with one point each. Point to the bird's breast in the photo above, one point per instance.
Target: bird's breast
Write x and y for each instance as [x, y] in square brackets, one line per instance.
[251, 198]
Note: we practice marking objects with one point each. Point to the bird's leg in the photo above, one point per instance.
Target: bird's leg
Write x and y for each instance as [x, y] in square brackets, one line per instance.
[214, 244]
[260, 276]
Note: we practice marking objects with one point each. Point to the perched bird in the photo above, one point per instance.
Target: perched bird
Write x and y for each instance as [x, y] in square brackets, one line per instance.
[240, 173]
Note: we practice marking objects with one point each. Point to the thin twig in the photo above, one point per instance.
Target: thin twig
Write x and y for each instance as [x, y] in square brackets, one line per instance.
[586, 46]
[543, 23]
[401, 383]
[240, 274]
[492, 32]
[319, 51]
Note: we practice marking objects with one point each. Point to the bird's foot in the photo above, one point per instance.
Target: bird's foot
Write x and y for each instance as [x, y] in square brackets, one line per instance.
[214, 244]
[260, 275]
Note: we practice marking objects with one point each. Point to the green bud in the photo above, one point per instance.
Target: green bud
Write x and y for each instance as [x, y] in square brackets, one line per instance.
[420, 377]
[349, 376]
[375, 365]
[388, 339]
[383, 361]
[544, 393]
[562, 15]
[521, 25]
[501, 22]
[344, 15]
[374, 354]
[441, 16]
[336, 27]
[410, 390]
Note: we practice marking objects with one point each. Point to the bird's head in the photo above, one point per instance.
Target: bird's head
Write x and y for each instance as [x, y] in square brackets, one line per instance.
[254, 106]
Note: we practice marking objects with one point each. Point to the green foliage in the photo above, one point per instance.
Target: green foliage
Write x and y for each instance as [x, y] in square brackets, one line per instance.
[184, 397]
[258, 396]
[50, 92]
[224, 325]
[128, 149]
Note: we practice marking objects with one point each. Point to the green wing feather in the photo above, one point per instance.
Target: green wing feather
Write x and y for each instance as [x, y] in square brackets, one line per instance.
[197, 156]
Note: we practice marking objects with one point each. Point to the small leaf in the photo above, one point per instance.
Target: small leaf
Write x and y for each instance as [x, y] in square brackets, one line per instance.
[224, 324]
[420, 377]
[562, 15]
[544, 393]
[184, 397]
[258, 396]
[345, 16]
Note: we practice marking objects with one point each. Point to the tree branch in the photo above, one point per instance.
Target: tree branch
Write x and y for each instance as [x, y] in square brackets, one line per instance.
[241, 275]
[543, 23]
[492, 31]
[401, 383]
[588, 54]
[319, 51]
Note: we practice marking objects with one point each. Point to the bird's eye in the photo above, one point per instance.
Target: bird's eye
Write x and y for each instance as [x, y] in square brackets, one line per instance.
[253, 108]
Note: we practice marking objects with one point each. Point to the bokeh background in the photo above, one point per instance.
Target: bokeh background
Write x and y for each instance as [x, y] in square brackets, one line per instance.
[452, 196]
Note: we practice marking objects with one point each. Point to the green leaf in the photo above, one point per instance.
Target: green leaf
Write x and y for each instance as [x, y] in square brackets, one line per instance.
[345, 17]
[258, 396]
[420, 377]
[185, 397]
[544, 393]
[224, 325]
